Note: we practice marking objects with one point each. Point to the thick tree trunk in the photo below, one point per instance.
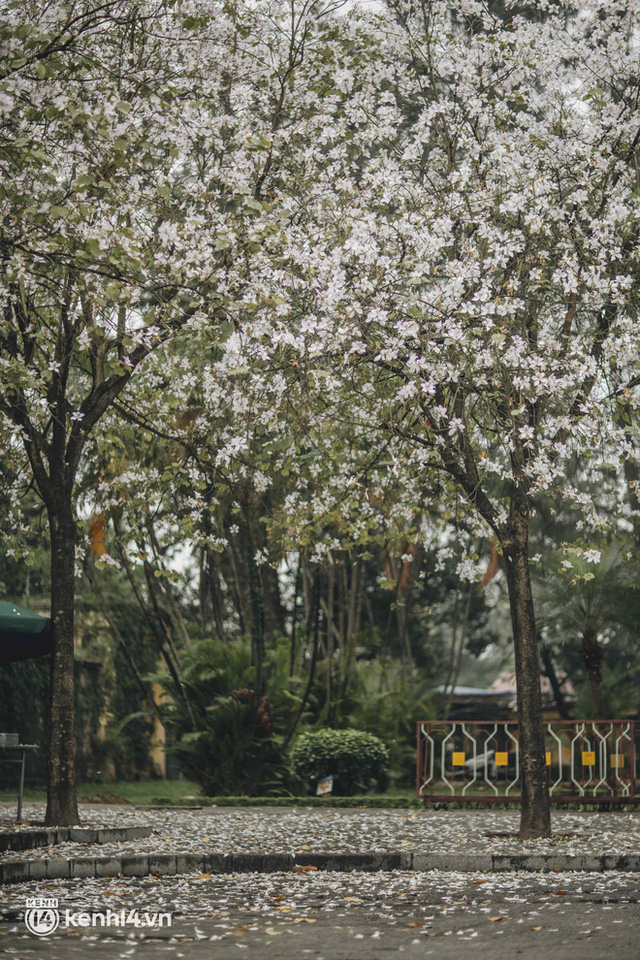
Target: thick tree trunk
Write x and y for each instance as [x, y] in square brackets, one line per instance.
[535, 815]
[62, 805]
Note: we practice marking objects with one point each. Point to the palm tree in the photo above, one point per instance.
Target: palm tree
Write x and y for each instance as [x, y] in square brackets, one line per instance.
[589, 595]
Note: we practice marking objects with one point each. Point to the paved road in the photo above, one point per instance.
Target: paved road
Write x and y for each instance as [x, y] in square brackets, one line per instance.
[330, 916]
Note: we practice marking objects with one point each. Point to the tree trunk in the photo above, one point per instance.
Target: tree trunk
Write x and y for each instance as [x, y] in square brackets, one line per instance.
[294, 616]
[353, 624]
[312, 665]
[329, 619]
[457, 656]
[274, 611]
[62, 805]
[535, 818]
[592, 655]
[551, 675]
[256, 600]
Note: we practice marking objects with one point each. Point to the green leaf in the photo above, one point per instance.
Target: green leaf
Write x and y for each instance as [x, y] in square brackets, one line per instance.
[191, 737]
[59, 213]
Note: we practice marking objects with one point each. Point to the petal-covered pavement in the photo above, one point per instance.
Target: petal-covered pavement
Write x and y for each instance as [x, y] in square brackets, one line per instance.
[291, 830]
[328, 916]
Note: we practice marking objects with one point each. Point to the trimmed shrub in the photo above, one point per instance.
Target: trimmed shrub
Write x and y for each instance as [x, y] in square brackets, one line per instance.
[353, 757]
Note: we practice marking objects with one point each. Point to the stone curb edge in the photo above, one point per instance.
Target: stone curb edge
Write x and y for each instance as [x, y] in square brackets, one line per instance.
[141, 865]
[31, 839]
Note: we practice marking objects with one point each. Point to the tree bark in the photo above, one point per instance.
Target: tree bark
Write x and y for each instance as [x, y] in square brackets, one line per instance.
[550, 673]
[592, 655]
[274, 611]
[457, 655]
[256, 600]
[294, 616]
[62, 805]
[353, 623]
[535, 820]
[312, 665]
[329, 619]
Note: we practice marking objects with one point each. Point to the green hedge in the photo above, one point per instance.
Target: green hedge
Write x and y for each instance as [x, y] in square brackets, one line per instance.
[354, 759]
[371, 803]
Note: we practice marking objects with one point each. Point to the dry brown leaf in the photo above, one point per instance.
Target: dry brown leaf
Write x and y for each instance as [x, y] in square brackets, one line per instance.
[240, 930]
[414, 923]
[496, 919]
[300, 869]
[274, 933]
[305, 846]
[353, 899]
[203, 876]
[536, 928]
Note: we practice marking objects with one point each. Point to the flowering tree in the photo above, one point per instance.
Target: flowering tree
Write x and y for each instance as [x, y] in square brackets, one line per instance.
[472, 285]
[136, 140]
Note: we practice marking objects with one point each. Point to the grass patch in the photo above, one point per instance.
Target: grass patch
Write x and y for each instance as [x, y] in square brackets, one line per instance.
[185, 793]
[127, 791]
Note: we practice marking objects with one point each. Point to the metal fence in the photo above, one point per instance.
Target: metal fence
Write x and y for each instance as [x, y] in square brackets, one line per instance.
[590, 761]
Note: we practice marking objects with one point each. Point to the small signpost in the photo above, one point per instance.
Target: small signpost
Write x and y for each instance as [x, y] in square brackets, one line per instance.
[325, 786]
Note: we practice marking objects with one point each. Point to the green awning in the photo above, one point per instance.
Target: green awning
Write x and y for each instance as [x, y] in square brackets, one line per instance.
[23, 633]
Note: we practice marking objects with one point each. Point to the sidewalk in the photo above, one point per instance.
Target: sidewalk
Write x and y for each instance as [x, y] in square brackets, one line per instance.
[216, 840]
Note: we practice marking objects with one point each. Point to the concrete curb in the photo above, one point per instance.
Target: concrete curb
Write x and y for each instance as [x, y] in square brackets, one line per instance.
[141, 865]
[31, 839]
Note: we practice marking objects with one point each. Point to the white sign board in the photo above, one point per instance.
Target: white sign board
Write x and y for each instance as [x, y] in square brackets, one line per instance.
[325, 787]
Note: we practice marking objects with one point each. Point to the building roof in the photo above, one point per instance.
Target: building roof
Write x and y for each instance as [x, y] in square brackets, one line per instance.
[460, 691]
